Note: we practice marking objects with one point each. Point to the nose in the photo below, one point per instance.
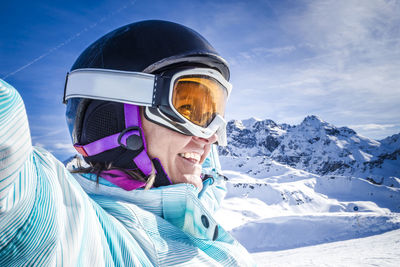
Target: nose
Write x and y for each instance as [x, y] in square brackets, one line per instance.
[210, 140]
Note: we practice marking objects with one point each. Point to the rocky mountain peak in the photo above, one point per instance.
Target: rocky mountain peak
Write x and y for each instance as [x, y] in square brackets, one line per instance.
[393, 140]
[315, 146]
[313, 120]
[249, 123]
[236, 124]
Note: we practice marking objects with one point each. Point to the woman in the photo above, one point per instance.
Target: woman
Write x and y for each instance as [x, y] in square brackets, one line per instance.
[145, 103]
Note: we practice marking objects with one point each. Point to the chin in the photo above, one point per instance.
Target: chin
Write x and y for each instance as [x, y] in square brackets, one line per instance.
[189, 178]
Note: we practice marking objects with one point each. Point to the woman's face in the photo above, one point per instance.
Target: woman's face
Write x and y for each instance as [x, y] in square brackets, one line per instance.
[180, 155]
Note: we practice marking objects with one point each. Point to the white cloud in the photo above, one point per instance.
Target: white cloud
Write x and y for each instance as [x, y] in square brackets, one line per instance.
[376, 131]
[346, 23]
[64, 146]
[336, 59]
[39, 144]
[49, 131]
[274, 51]
[373, 127]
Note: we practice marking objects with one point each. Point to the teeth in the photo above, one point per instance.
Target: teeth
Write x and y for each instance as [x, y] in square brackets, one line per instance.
[189, 155]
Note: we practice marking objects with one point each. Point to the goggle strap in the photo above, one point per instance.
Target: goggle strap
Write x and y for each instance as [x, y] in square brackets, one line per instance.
[118, 86]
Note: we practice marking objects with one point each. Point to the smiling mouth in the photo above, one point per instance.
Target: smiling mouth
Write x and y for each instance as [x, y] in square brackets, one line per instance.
[193, 157]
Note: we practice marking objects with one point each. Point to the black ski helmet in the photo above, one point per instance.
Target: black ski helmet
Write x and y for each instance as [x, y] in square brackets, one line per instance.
[148, 46]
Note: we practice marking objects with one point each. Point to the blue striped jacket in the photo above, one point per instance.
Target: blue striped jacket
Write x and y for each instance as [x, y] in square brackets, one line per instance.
[49, 217]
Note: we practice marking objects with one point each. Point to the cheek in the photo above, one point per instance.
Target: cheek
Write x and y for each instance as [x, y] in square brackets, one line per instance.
[163, 143]
[155, 141]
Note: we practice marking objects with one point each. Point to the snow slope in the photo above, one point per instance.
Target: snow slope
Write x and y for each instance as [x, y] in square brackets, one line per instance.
[277, 212]
[378, 250]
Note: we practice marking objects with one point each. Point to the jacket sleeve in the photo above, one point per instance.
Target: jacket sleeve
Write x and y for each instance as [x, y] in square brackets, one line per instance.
[46, 219]
[15, 148]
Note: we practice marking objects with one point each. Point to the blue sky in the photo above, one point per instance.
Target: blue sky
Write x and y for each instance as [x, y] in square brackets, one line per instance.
[337, 59]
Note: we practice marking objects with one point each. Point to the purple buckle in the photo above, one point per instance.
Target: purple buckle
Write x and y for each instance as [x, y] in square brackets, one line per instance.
[131, 138]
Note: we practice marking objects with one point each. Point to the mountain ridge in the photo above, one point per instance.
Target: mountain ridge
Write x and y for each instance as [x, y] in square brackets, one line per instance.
[315, 146]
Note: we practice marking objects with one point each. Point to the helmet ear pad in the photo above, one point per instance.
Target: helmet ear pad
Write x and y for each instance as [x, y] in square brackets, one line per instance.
[102, 119]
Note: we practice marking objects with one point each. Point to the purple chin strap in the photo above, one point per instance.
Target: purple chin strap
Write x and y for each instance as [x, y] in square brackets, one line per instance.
[131, 138]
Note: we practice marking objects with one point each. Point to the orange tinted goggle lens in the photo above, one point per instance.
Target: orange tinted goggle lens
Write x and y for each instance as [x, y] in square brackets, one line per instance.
[199, 99]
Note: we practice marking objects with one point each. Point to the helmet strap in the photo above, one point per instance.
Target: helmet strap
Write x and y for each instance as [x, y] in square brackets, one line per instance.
[118, 178]
[132, 119]
[130, 138]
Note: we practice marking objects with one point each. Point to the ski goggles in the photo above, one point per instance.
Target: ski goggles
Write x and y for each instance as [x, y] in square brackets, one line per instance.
[190, 101]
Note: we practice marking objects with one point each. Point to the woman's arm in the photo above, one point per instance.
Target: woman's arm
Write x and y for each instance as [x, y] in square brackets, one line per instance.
[15, 147]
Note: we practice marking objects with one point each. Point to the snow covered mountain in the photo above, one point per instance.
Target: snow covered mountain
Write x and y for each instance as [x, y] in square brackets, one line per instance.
[317, 147]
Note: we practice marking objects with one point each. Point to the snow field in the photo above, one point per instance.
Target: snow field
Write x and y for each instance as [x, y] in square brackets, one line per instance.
[377, 250]
[271, 208]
